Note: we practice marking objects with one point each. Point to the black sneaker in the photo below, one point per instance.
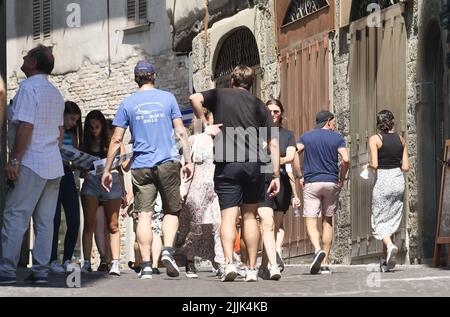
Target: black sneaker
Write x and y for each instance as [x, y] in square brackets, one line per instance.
[191, 271]
[7, 280]
[317, 262]
[36, 279]
[146, 271]
[169, 262]
[383, 266]
[280, 262]
[103, 267]
[156, 271]
[132, 267]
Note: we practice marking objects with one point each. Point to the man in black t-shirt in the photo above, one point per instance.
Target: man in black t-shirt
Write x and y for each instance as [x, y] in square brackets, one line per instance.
[243, 125]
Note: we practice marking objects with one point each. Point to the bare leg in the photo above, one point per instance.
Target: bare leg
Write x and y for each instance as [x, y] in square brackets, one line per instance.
[250, 232]
[327, 238]
[156, 250]
[90, 205]
[228, 232]
[279, 231]
[99, 235]
[144, 235]
[169, 229]
[266, 215]
[313, 232]
[112, 208]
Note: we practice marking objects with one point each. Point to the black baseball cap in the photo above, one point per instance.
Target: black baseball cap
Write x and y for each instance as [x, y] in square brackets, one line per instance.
[322, 118]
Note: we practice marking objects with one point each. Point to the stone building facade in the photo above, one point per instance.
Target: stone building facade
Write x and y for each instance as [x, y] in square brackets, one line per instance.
[100, 76]
[419, 96]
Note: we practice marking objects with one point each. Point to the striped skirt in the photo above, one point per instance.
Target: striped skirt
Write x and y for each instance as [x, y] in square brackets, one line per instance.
[387, 202]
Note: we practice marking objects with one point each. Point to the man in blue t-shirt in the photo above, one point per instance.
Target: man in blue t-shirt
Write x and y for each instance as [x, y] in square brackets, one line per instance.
[322, 183]
[154, 119]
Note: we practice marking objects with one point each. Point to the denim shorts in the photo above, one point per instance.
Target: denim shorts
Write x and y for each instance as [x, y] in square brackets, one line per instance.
[92, 186]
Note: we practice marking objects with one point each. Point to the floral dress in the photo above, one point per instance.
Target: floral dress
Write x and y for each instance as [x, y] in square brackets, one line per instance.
[200, 218]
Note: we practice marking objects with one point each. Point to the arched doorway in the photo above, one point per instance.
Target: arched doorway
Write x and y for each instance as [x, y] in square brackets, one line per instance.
[238, 47]
[431, 131]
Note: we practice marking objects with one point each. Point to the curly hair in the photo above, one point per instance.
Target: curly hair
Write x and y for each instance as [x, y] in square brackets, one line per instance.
[385, 121]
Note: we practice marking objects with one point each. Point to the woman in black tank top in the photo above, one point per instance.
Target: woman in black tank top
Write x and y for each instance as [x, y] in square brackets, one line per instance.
[389, 159]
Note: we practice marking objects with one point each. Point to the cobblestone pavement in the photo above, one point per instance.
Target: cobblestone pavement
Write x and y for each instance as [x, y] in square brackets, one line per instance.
[296, 282]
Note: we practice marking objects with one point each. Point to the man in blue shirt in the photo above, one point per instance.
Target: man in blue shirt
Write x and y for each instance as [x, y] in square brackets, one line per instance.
[155, 120]
[322, 183]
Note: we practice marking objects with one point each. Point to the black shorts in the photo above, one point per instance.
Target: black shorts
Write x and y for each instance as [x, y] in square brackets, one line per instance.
[238, 183]
[282, 200]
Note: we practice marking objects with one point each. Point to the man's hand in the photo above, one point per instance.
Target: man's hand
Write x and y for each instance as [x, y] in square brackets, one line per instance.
[12, 171]
[188, 172]
[274, 187]
[213, 130]
[341, 184]
[107, 180]
[296, 202]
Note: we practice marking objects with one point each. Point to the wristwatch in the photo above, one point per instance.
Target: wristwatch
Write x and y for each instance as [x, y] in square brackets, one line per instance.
[299, 177]
[14, 162]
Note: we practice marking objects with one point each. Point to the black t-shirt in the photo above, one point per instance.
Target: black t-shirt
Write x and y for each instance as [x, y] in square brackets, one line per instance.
[246, 123]
[285, 139]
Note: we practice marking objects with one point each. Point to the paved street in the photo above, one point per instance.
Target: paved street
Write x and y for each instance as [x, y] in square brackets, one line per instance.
[296, 282]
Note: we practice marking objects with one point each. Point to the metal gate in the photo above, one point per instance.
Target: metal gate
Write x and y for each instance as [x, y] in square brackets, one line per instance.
[378, 81]
[304, 91]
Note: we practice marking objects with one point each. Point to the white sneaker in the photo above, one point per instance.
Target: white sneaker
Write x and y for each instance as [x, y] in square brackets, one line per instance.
[252, 275]
[86, 268]
[391, 260]
[230, 273]
[275, 273]
[146, 273]
[115, 268]
[56, 267]
[66, 265]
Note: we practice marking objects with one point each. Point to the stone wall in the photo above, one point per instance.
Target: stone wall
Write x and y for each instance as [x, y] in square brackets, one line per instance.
[262, 25]
[341, 87]
[413, 238]
[93, 86]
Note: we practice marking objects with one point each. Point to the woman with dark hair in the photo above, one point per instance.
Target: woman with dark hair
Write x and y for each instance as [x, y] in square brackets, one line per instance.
[68, 193]
[389, 159]
[96, 143]
[279, 204]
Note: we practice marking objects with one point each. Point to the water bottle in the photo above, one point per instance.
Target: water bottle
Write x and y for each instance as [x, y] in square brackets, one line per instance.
[296, 212]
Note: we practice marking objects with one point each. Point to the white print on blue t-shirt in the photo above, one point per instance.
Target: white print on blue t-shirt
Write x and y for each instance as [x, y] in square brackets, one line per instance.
[145, 113]
[149, 115]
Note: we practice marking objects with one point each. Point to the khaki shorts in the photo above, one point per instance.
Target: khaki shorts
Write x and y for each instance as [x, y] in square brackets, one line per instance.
[320, 199]
[165, 179]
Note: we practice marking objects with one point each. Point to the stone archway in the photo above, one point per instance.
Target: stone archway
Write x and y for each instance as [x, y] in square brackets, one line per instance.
[431, 130]
[237, 47]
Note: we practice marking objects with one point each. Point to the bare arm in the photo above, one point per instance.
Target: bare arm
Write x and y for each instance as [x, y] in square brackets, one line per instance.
[290, 153]
[114, 148]
[274, 187]
[187, 170]
[405, 159]
[345, 164]
[374, 144]
[181, 134]
[296, 168]
[196, 101]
